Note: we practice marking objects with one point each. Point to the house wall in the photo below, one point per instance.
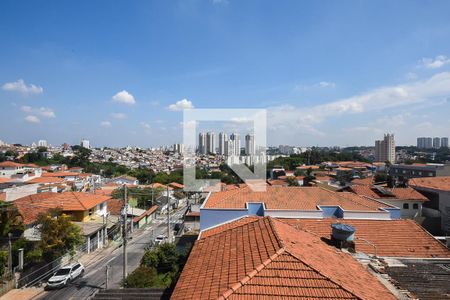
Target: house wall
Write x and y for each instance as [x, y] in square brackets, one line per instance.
[443, 204]
[17, 192]
[406, 213]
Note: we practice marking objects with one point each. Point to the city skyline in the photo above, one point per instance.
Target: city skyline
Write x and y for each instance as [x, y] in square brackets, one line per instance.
[131, 88]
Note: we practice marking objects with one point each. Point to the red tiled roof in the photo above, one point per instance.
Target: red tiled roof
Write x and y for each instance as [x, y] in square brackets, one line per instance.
[438, 183]
[363, 181]
[278, 182]
[268, 259]
[5, 180]
[60, 174]
[296, 198]
[148, 212]
[157, 185]
[406, 193]
[394, 238]
[30, 206]
[115, 206]
[46, 180]
[176, 185]
[10, 164]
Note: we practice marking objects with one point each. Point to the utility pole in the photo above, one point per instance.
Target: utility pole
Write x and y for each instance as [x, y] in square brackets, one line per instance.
[168, 215]
[107, 277]
[125, 231]
[10, 254]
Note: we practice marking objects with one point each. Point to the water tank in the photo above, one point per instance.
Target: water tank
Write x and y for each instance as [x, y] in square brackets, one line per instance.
[343, 232]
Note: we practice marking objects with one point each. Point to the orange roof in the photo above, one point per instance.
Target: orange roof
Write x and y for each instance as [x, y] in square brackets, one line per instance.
[363, 181]
[148, 212]
[5, 180]
[394, 238]
[157, 185]
[312, 167]
[265, 258]
[176, 185]
[2, 196]
[30, 206]
[406, 193]
[10, 164]
[277, 182]
[297, 198]
[437, 183]
[115, 206]
[60, 174]
[46, 180]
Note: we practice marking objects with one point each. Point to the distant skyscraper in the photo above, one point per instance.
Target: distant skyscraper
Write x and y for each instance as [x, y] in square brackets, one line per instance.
[202, 143]
[85, 144]
[437, 143]
[250, 144]
[211, 142]
[178, 148]
[424, 143]
[444, 142]
[222, 143]
[42, 143]
[235, 139]
[385, 149]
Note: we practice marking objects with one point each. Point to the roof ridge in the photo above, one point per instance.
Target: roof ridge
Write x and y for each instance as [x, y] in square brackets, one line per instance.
[254, 219]
[314, 269]
[251, 274]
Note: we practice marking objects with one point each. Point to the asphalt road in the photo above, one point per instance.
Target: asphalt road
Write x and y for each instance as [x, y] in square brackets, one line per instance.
[95, 274]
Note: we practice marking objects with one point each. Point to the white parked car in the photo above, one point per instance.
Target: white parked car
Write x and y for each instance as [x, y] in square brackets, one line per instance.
[160, 239]
[66, 274]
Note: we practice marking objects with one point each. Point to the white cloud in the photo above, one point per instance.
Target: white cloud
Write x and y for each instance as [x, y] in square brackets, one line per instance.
[41, 111]
[21, 87]
[407, 95]
[32, 119]
[105, 124]
[180, 105]
[326, 84]
[119, 116]
[411, 76]
[145, 125]
[435, 63]
[124, 97]
[319, 85]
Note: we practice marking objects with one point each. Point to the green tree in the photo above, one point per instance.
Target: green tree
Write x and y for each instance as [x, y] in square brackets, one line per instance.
[3, 262]
[292, 181]
[309, 177]
[58, 234]
[141, 277]
[164, 258]
[10, 220]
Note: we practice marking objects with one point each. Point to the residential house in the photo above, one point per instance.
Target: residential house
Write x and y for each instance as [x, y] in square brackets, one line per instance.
[291, 202]
[82, 207]
[124, 179]
[406, 198]
[270, 258]
[437, 190]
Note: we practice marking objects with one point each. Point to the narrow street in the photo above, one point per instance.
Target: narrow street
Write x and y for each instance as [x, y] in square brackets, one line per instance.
[95, 274]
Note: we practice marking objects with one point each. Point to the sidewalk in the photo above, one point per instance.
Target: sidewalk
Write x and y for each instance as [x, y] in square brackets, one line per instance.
[22, 294]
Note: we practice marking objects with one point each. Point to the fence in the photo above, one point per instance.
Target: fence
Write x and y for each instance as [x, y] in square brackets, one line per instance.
[40, 273]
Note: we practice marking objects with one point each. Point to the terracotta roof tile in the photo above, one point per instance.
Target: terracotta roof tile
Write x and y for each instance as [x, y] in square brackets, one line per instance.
[438, 183]
[297, 198]
[264, 258]
[46, 180]
[394, 238]
[60, 174]
[406, 193]
[30, 206]
[10, 164]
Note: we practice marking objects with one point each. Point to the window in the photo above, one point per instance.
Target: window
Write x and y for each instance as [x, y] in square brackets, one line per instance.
[76, 267]
[90, 212]
[415, 206]
[405, 206]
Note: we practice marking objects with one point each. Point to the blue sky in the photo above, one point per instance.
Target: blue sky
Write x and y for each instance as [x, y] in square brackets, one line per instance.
[329, 72]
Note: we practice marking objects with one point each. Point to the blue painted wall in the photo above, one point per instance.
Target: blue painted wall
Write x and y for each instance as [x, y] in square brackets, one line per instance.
[394, 212]
[255, 209]
[212, 217]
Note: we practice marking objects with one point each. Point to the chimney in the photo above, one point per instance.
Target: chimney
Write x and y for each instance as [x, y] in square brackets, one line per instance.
[342, 236]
